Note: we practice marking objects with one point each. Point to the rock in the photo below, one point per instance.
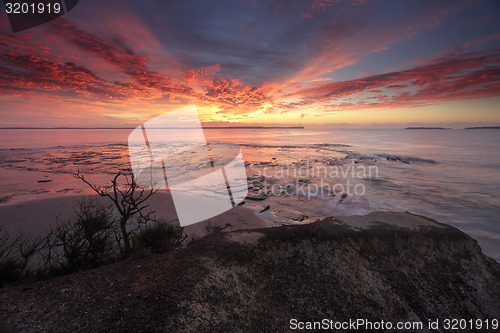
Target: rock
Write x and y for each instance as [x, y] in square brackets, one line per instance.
[292, 215]
[397, 159]
[383, 266]
[257, 196]
[265, 209]
[255, 187]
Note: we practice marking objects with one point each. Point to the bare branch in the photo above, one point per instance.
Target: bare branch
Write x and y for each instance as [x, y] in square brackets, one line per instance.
[128, 199]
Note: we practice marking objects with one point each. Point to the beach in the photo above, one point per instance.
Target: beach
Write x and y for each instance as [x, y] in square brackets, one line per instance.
[37, 216]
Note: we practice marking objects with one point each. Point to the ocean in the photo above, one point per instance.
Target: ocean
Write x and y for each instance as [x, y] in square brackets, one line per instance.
[448, 175]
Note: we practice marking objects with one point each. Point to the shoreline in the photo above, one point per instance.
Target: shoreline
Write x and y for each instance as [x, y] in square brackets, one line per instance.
[38, 215]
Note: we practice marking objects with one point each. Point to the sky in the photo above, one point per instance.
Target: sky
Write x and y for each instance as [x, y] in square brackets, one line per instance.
[316, 63]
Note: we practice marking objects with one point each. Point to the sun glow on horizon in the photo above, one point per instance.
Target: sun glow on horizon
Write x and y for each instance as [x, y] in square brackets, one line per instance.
[98, 71]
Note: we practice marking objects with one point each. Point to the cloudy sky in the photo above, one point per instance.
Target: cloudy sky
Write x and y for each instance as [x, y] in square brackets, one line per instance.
[310, 62]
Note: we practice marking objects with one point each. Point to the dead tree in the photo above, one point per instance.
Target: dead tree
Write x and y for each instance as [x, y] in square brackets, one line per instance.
[128, 198]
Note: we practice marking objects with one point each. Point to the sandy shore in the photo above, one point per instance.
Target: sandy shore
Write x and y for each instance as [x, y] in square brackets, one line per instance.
[36, 216]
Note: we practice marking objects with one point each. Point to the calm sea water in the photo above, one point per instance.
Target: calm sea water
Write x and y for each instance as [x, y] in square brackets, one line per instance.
[450, 175]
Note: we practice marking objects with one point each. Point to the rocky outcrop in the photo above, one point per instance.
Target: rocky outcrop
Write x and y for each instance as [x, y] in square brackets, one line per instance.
[383, 266]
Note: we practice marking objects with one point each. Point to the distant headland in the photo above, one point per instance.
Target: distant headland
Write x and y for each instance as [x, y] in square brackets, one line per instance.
[441, 128]
[484, 127]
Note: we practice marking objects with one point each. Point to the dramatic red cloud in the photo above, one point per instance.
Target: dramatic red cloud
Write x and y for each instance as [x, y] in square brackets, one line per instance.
[202, 77]
[29, 72]
[459, 76]
[22, 71]
[224, 91]
[133, 65]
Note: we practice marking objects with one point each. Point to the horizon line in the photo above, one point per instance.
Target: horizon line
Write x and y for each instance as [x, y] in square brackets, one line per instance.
[250, 127]
[204, 127]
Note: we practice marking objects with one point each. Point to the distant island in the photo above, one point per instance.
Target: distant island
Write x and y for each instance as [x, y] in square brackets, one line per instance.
[442, 128]
[484, 127]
